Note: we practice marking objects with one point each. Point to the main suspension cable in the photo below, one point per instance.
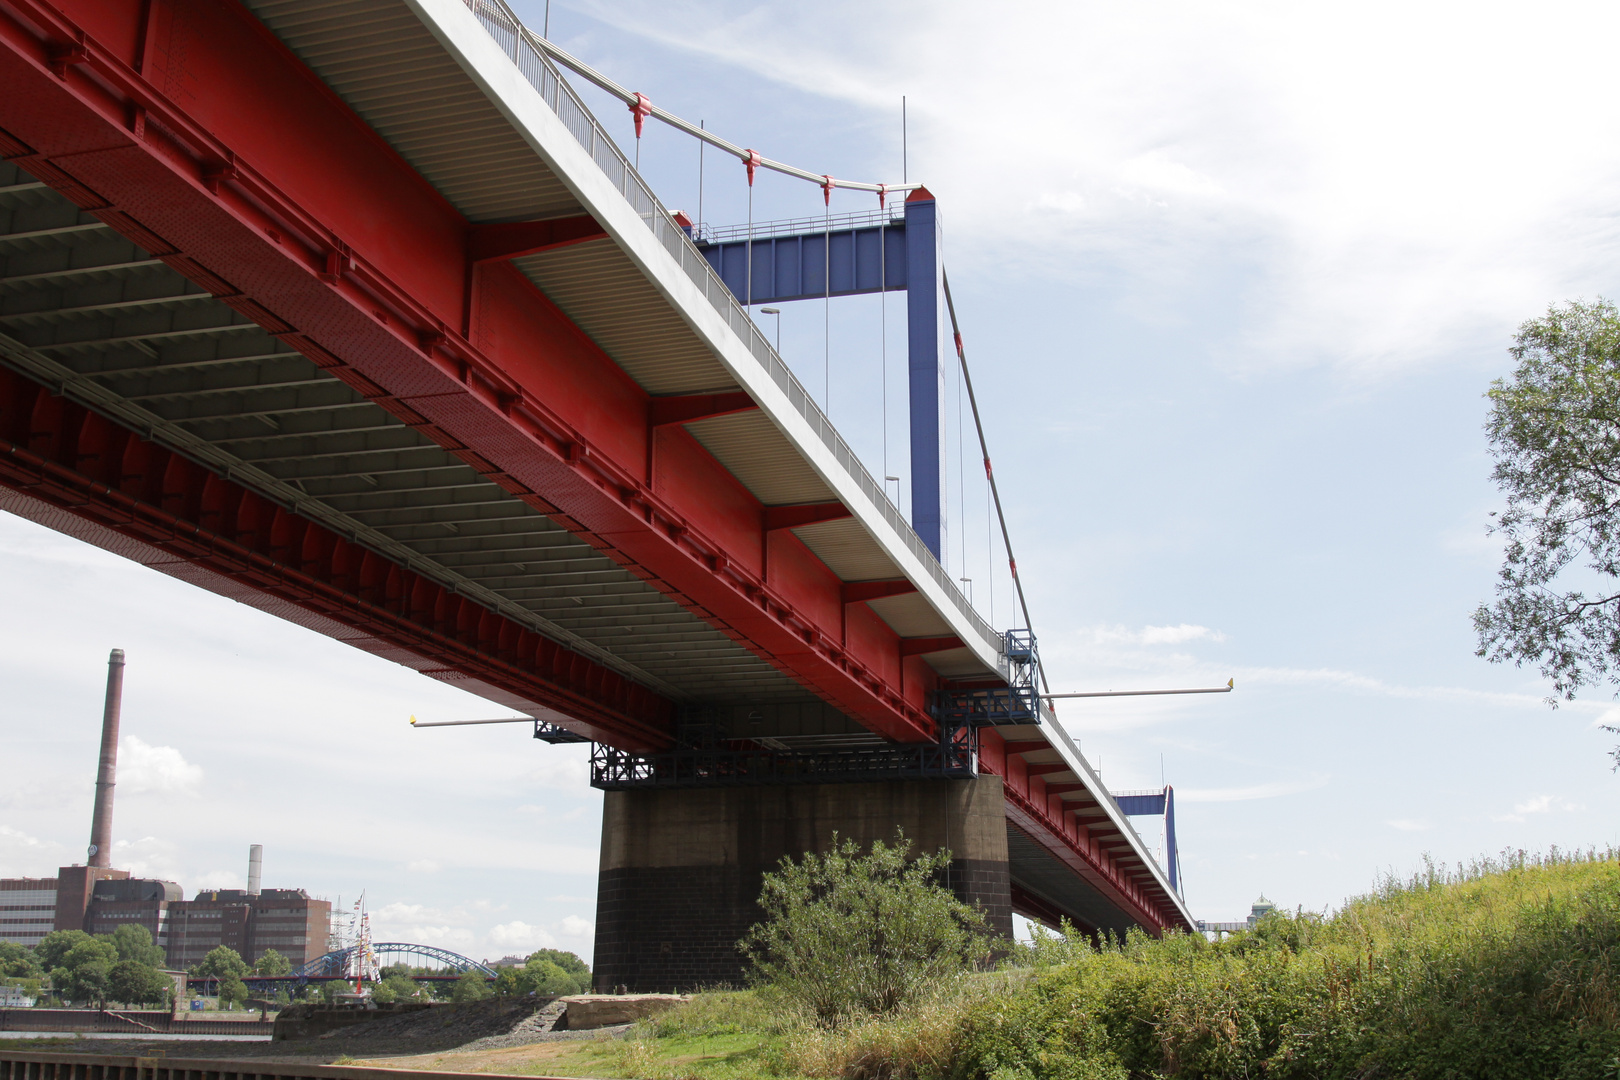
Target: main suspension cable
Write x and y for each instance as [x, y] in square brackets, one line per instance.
[995, 492]
[641, 106]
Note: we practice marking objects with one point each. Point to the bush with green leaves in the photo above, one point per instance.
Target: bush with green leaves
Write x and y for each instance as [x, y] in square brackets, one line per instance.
[136, 983]
[17, 962]
[472, 986]
[220, 961]
[848, 934]
[271, 962]
[548, 972]
[135, 943]
[396, 986]
[233, 992]
[1506, 968]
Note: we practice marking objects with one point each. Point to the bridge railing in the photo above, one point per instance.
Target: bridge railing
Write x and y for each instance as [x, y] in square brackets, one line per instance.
[509, 32]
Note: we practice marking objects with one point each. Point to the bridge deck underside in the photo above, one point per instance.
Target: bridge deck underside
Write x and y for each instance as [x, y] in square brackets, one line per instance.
[205, 380]
[428, 427]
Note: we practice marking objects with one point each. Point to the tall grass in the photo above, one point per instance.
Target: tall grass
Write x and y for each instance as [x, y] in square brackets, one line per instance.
[1506, 967]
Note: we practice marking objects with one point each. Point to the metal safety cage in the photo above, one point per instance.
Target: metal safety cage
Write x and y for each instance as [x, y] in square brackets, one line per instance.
[555, 734]
[1017, 703]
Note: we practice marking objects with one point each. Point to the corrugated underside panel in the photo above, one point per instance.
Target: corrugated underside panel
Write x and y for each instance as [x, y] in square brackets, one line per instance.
[208, 382]
[379, 58]
[848, 550]
[1035, 870]
[755, 451]
[599, 288]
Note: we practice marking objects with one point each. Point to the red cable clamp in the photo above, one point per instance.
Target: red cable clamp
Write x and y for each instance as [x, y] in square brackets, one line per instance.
[752, 161]
[883, 192]
[958, 336]
[641, 108]
[987, 466]
[827, 184]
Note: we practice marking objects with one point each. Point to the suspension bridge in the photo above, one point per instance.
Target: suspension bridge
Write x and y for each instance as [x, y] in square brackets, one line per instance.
[352, 311]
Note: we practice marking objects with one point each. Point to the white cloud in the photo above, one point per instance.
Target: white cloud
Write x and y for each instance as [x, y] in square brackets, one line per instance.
[1409, 824]
[423, 866]
[1175, 635]
[22, 855]
[150, 857]
[146, 768]
[575, 927]
[521, 935]
[1256, 791]
[451, 937]
[1370, 169]
[1540, 804]
[220, 879]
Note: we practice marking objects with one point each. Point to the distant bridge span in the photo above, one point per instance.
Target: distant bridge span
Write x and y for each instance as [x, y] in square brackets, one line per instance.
[337, 963]
[352, 312]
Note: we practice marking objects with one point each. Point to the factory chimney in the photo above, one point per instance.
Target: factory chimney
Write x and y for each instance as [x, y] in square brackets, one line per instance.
[101, 818]
[255, 864]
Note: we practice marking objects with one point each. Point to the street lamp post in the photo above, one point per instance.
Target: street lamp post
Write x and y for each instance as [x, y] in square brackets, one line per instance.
[778, 313]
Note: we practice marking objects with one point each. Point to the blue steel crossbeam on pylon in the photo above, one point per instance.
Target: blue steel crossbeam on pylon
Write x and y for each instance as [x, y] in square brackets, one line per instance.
[1157, 804]
[848, 256]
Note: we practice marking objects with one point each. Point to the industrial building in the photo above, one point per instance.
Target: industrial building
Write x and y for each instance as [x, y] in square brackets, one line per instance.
[97, 898]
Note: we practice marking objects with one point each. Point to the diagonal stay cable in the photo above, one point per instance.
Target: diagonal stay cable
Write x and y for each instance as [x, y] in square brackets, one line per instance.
[1006, 538]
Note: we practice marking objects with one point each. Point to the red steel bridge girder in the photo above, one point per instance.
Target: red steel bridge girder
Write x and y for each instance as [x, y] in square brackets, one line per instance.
[189, 128]
[1042, 816]
[84, 475]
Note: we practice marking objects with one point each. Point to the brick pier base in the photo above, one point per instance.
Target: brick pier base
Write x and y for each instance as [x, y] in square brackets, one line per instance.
[682, 869]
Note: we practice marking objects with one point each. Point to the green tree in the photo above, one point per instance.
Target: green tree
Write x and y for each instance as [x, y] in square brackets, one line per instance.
[568, 961]
[272, 963]
[135, 943]
[1554, 431]
[221, 961]
[852, 934]
[137, 983]
[232, 990]
[55, 945]
[333, 987]
[17, 962]
[83, 971]
[472, 986]
[395, 986]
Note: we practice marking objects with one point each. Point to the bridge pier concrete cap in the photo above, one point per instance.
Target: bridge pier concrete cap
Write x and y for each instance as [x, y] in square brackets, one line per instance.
[682, 869]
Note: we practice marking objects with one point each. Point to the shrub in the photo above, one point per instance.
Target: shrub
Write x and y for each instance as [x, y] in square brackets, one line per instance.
[847, 934]
[472, 986]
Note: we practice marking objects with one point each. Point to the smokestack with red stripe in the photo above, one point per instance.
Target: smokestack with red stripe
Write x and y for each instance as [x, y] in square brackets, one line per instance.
[101, 819]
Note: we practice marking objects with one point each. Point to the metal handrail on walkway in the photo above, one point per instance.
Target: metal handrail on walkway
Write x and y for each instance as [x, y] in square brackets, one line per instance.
[508, 31]
[893, 217]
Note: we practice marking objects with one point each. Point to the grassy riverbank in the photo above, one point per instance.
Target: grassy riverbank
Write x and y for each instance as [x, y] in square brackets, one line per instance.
[1506, 968]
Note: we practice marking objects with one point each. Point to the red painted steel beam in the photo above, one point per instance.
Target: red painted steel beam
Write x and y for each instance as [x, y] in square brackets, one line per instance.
[921, 646]
[1028, 747]
[856, 592]
[684, 409]
[1046, 768]
[186, 126]
[791, 517]
[140, 499]
[509, 240]
[1069, 841]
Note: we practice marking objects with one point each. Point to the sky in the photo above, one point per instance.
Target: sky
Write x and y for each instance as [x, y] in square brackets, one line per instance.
[1233, 280]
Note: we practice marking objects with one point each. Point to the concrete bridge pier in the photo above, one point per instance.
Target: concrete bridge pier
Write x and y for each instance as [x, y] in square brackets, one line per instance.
[682, 868]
